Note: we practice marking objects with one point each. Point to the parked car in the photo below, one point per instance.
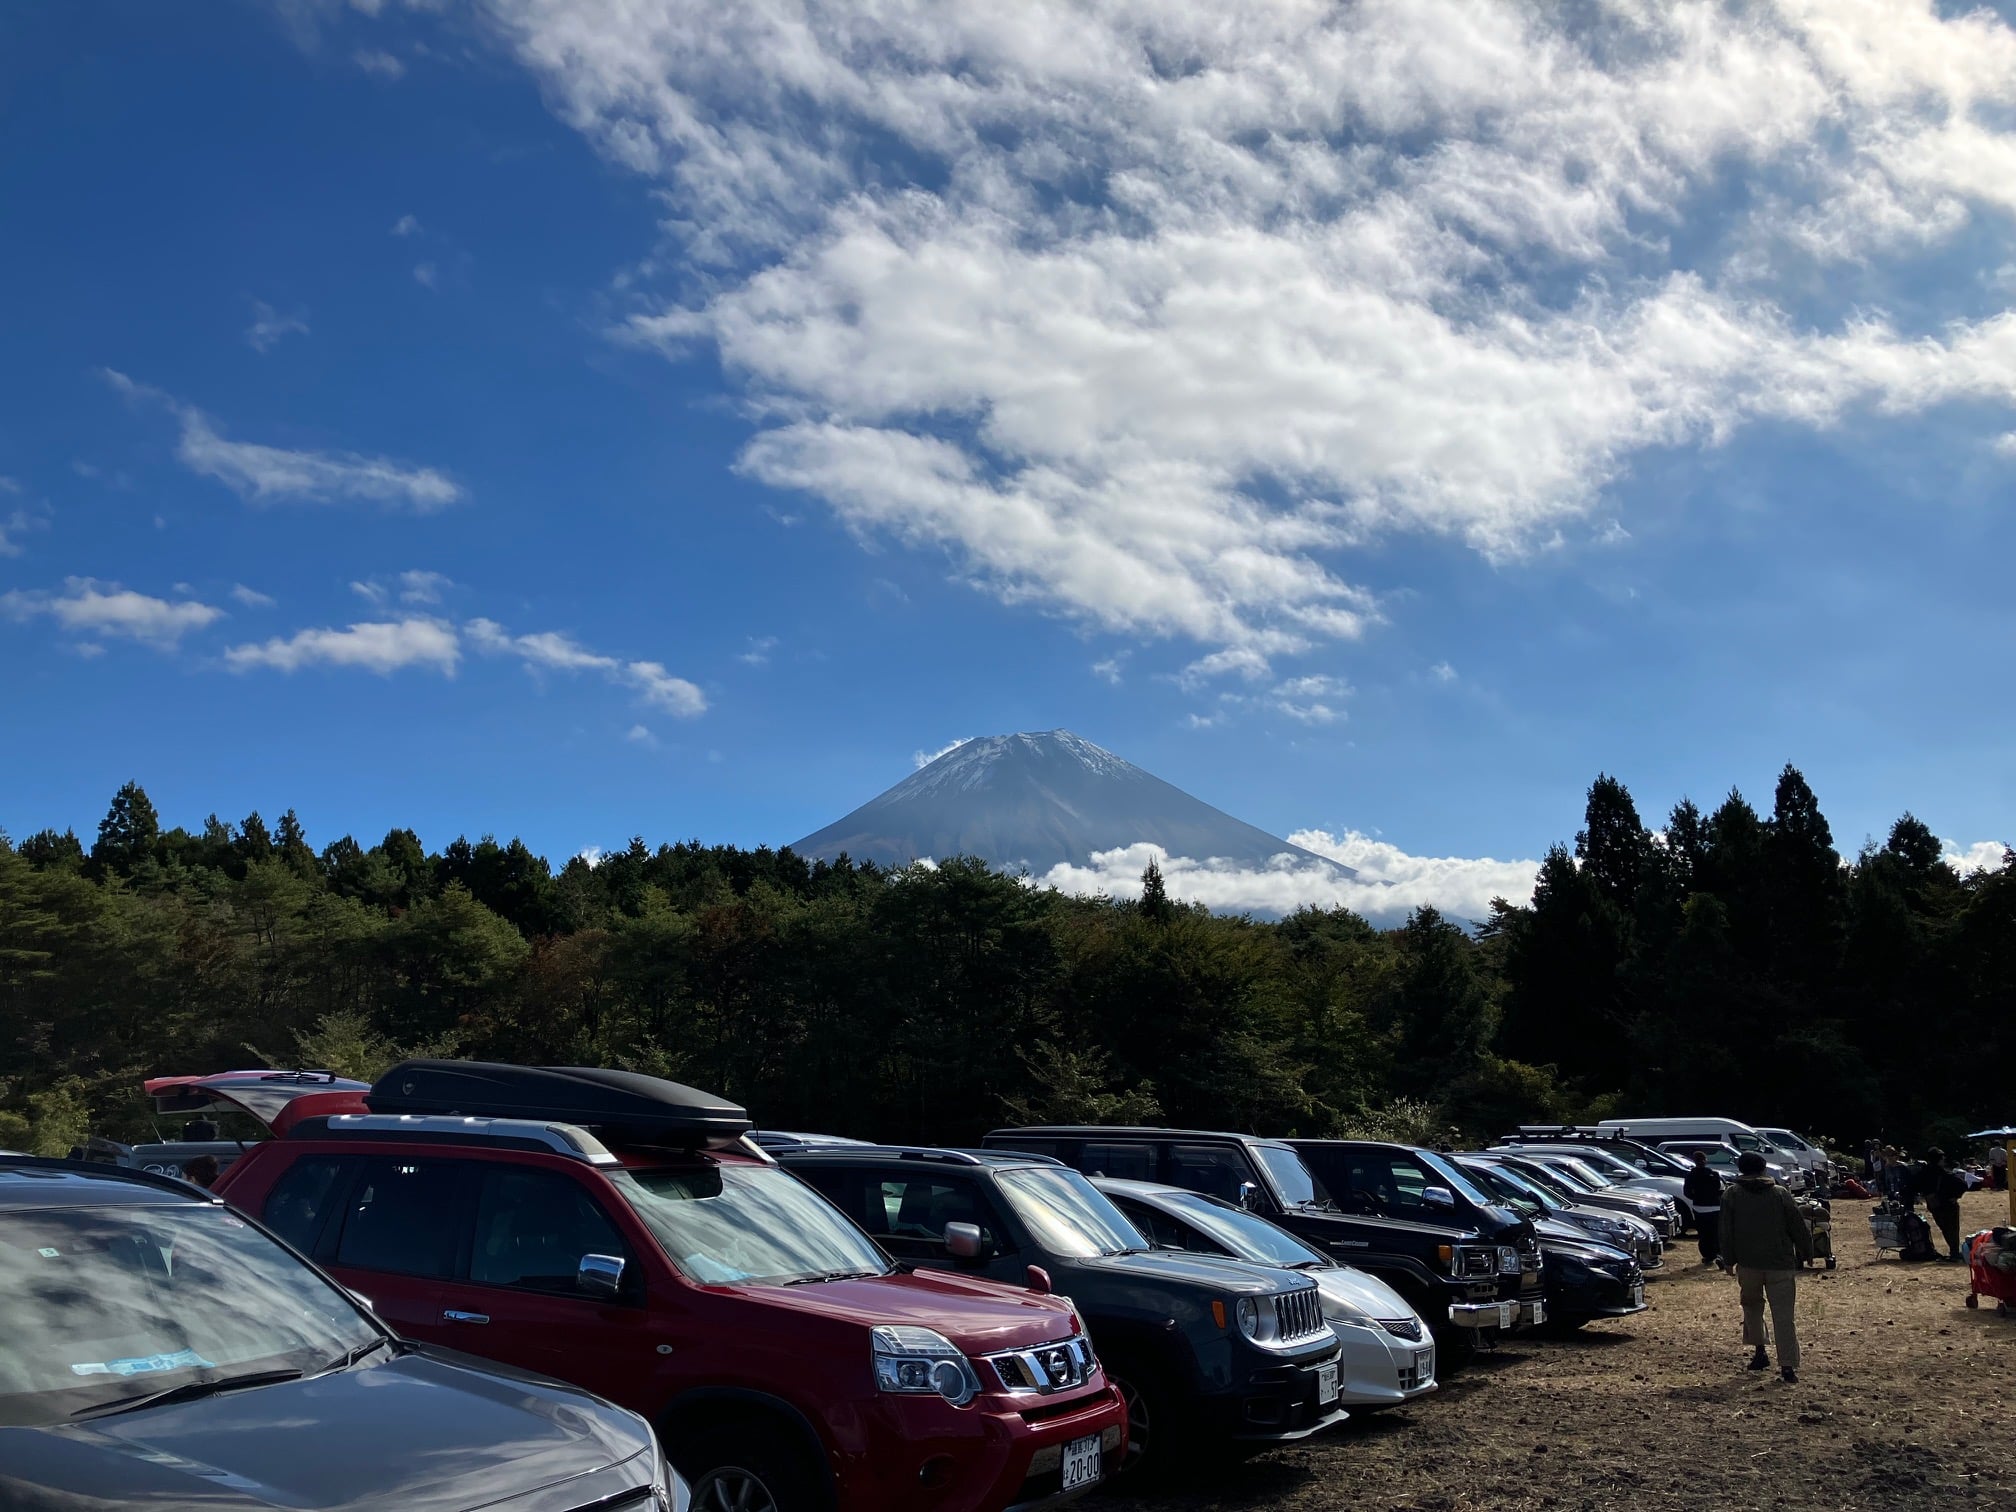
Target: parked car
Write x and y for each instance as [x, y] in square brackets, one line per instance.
[1805, 1154]
[617, 1231]
[1657, 1208]
[1635, 1153]
[1207, 1351]
[1388, 1354]
[1618, 1171]
[1659, 1131]
[1468, 1272]
[1624, 1231]
[1586, 1278]
[1564, 1187]
[163, 1351]
[1722, 1158]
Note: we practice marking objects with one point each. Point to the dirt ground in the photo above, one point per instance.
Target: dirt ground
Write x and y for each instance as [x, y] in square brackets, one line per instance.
[1891, 1409]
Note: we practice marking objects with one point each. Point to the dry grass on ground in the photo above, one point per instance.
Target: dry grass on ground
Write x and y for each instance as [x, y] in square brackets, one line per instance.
[1893, 1409]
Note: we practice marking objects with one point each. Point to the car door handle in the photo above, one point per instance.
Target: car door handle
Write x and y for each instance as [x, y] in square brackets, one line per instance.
[453, 1316]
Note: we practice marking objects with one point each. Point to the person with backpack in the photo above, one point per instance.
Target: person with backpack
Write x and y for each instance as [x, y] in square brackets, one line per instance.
[1764, 1241]
[1703, 1191]
[1940, 1186]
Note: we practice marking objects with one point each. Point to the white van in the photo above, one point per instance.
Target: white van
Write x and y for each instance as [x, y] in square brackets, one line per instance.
[1802, 1151]
[1728, 1130]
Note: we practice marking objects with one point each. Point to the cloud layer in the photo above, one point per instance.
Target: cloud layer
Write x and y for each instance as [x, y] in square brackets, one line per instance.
[87, 607]
[1149, 311]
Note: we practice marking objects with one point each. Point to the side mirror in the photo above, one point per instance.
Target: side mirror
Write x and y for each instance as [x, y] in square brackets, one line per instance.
[1247, 1192]
[1039, 1280]
[1438, 1197]
[965, 1241]
[600, 1275]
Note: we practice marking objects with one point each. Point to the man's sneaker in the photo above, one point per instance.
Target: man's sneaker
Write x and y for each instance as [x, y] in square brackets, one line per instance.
[1760, 1361]
[1789, 1376]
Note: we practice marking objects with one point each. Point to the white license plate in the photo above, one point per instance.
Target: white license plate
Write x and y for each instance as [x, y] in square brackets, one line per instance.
[1081, 1462]
[1638, 1295]
[1326, 1384]
[1424, 1364]
[1508, 1314]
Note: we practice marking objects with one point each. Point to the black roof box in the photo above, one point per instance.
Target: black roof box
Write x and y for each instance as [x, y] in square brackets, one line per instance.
[623, 1107]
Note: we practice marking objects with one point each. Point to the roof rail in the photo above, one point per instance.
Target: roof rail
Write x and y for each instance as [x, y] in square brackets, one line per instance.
[107, 1171]
[514, 1133]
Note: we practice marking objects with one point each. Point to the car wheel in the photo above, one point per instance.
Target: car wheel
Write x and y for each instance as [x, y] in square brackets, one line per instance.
[1153, 1436]
[1454, 1348]
[743, 1471]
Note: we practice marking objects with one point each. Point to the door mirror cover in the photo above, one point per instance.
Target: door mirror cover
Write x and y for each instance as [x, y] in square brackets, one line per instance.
[964, 1241]
[600, 1275]
[1438, 1197]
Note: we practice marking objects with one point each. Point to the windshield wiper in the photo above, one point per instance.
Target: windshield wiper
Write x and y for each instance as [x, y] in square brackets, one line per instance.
[188, 1391]
[359, 1353]
[834, 1275]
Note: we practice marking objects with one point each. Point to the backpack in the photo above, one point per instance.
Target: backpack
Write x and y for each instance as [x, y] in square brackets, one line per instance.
[1914, 1237]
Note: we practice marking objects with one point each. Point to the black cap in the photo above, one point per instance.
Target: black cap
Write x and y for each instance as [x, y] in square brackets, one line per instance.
[1750, 1163]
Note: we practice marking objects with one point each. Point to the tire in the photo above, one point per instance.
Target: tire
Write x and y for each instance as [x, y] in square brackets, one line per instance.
[1972, 1300]
[744, 1468]
[1454, 1348]
[1156, 1441]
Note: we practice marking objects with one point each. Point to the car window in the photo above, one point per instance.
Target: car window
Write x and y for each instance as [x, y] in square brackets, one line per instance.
[1387, 1183]
[726, 1223]
[908, 1214]
[1291, 1176]
[301, 1200]
[1227, 1229]
[402, 1216]
[1165, 1232]
[1123, 1160]
[1215, 1170]
[532, 1228]
[1067, 1215]
[98, 1304]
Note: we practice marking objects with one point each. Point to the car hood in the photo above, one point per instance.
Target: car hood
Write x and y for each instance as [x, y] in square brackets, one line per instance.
[1341, 1226]
[977, 1315]
[1571, 1241]
[415, 1433]
[1217, 1273]
[1352, 1291]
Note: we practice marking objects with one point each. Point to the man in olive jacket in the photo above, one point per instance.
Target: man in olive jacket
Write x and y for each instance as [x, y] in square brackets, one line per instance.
[1764, 1240]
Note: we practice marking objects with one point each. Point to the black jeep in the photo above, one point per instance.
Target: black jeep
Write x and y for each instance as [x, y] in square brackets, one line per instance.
[1409, 1217]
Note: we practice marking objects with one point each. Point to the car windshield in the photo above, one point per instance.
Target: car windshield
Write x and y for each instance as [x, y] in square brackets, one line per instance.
[1450, 1172]
[1603, 1163]
[102, 1304]
[1541, 1176]
[1757, 1142]
[1247, 1235]
[722, 1224]
[1783, 1140]
[1578, 1174]
[1067, 1215]
[1290, 1176]
[1506, 1190]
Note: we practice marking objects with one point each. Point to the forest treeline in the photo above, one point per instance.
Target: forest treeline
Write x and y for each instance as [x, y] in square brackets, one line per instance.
[1730, 962]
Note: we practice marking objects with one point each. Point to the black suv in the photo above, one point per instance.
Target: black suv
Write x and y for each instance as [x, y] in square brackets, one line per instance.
[1407, 1216]
[1205, 1350]
[163, 1351]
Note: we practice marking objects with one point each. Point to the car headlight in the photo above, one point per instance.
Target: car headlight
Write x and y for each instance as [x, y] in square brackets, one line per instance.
[922, 1362]
[1258, 1319]
[668, 1492]
[1508, 1260]
[1472, 1260]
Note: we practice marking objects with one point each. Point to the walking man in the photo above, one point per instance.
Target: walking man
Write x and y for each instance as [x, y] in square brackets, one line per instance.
[1764, 1241]
[1703, 1191]
[1941, 1187]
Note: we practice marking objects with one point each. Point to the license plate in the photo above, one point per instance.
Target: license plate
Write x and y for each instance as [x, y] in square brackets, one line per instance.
[1326, 1384]
[1424, 1365]
[1508, 1312]
[1638, 1295]
[1081, 1462]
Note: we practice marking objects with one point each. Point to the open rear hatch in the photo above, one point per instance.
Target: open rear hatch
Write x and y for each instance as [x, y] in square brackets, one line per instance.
[277, 1099]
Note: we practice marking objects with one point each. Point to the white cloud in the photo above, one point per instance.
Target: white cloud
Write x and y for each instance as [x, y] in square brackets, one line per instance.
[381, 646]
[423, 587]
[760, 647]
[1390, 883]
[1982, 855]
[1109, 670]
[1154, 313]
[378, 63]
[252, 598]
[922, 759]
[641, 735]
[406, 225]
[263, 473]
[1442, 672]
[426, 275]
[88, 607]
[15, 524]
[592, 854]
[269, 327]
[2005, 444]
[551, 651]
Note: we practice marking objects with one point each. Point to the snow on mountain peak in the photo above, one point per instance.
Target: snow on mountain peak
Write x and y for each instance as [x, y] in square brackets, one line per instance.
[970, 764]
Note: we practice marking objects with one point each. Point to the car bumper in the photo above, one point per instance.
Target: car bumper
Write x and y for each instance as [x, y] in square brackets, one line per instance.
[1278, 1403]
[1607, 1298]
[1000, 1451]
[1483, 1314]
[1378, 1369]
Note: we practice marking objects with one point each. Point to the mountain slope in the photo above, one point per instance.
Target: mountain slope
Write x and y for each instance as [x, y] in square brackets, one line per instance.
[1035, 800]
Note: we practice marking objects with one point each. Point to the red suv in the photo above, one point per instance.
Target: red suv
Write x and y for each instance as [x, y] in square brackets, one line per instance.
[619, 1232]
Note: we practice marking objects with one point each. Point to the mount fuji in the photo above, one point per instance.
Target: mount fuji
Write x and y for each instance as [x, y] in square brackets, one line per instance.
[1039, 800]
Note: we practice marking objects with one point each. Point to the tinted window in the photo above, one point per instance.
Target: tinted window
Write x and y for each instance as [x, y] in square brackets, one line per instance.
[1163, 1231]
[1290, 1176]
[1381, 1182]
[1215, 1170]
[907, 1214]
[533, 1227]
[299, 1204]
[402, 1217]
[1125, 1160]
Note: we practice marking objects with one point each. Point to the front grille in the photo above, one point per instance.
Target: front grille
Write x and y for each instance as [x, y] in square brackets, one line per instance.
[1403, 1328]
[1301, 1314]
[1046, 1368]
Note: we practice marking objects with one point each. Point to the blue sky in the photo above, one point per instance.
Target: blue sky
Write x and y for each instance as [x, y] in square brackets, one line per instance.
[502, 419]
